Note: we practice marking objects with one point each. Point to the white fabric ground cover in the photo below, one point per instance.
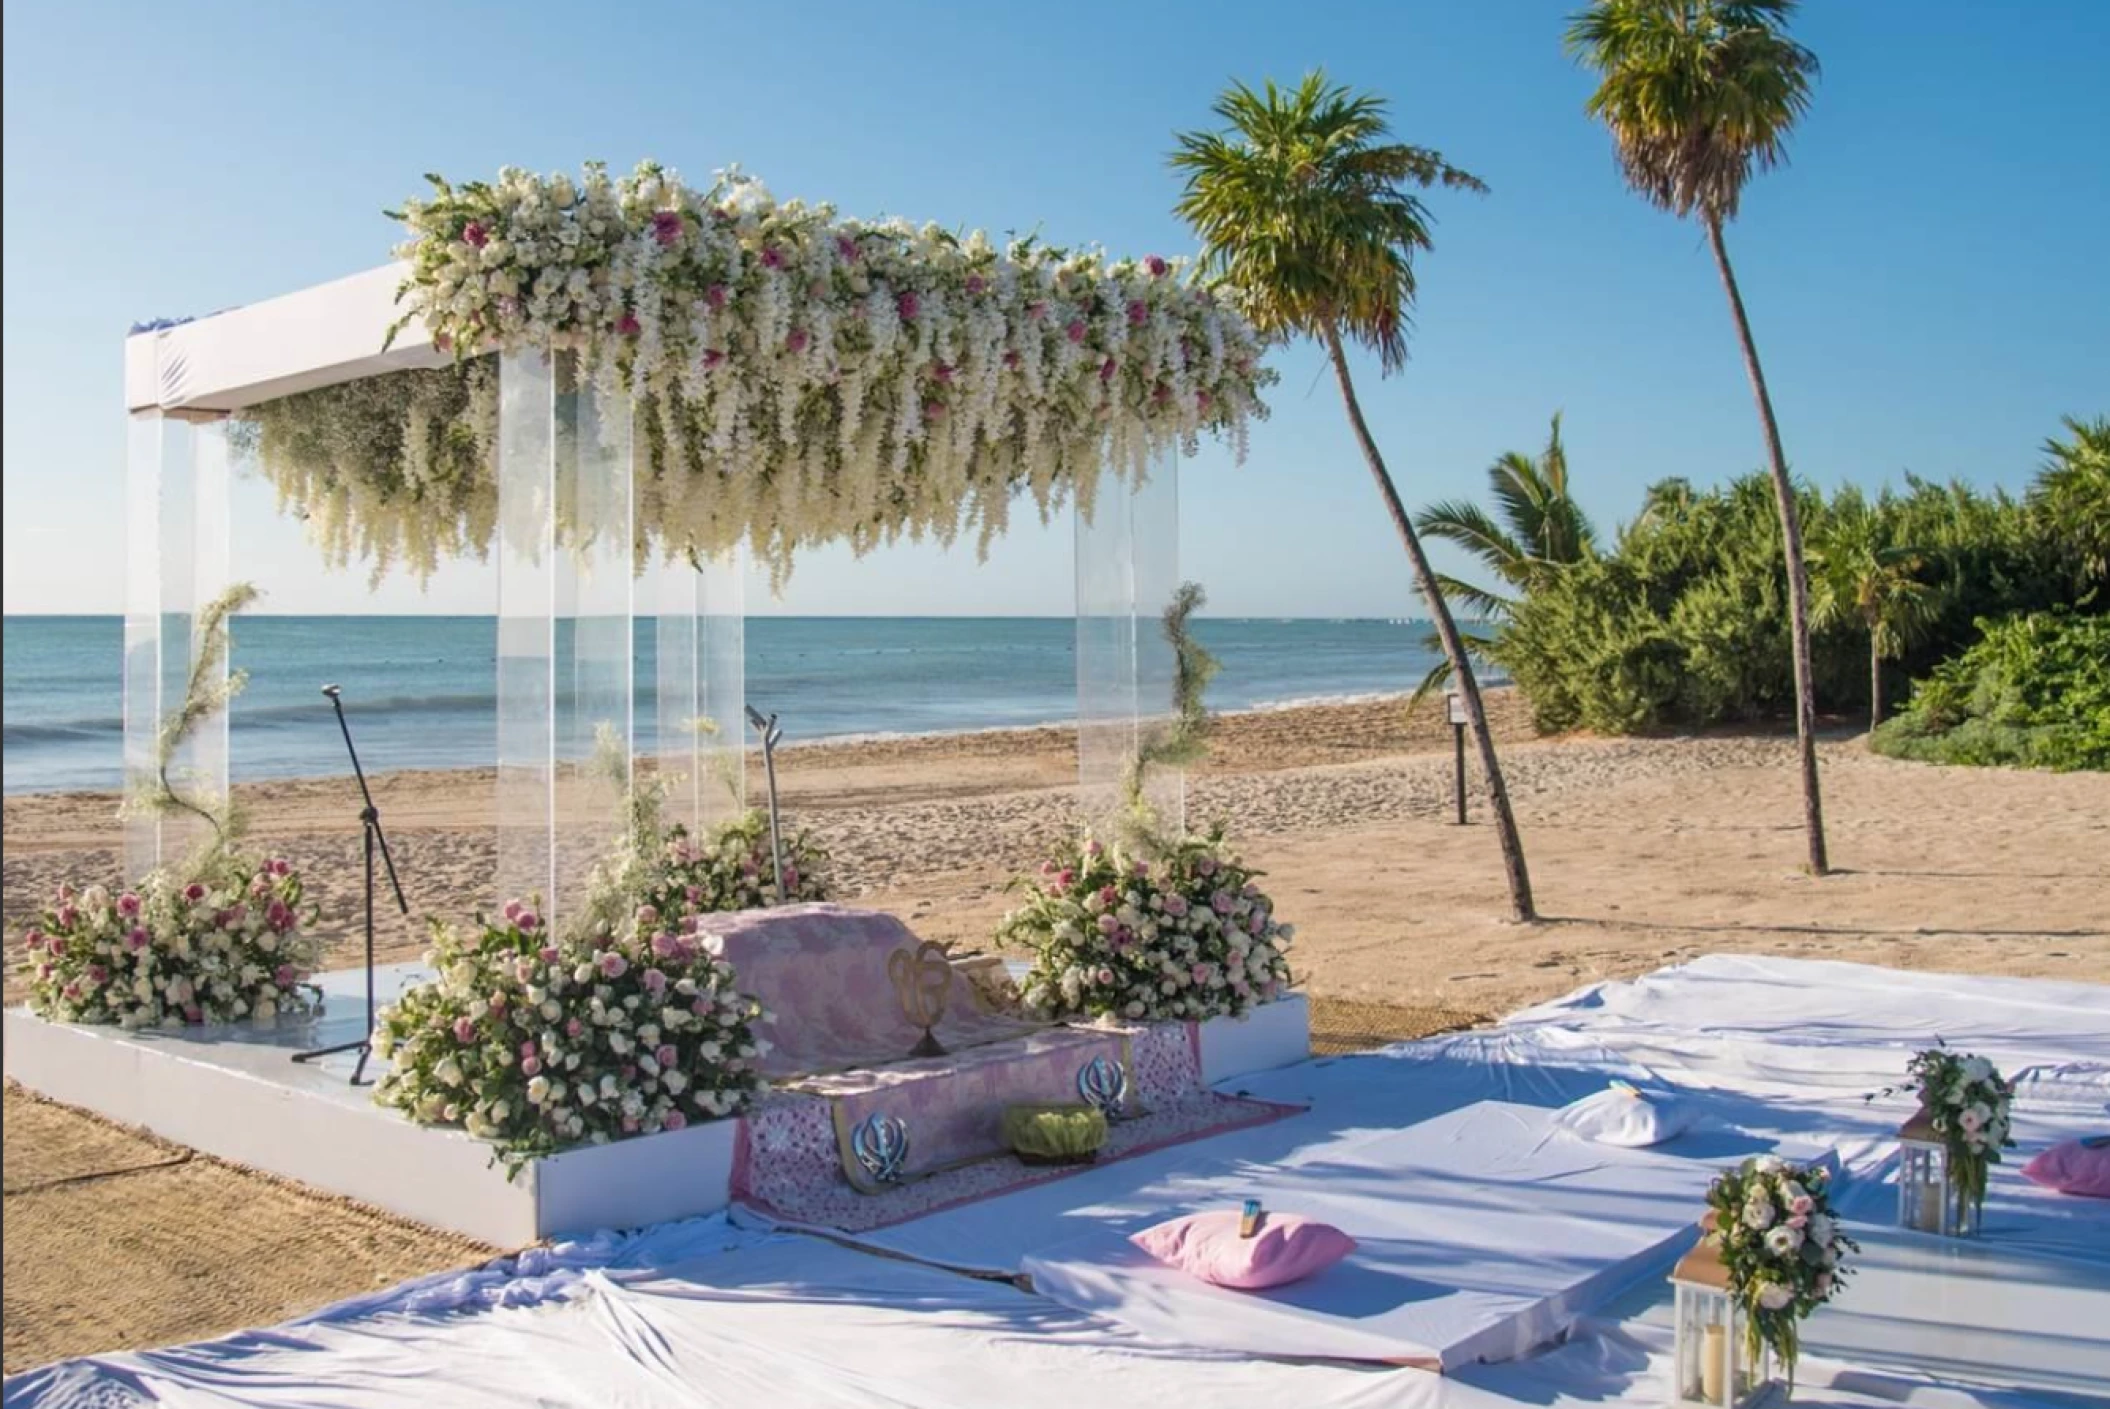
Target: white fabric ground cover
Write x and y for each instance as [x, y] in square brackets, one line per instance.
[705, 1314]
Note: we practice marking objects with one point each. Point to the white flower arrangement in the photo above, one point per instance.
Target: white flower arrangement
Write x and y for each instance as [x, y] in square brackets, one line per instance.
[536, 1043]
[1968, 1103]
[1782, 1246]
[1187, 935]
[800, 378]
[217, 943]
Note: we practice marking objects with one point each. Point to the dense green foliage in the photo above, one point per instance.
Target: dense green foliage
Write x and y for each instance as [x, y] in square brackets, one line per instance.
[1684, 623]
[2033, 693]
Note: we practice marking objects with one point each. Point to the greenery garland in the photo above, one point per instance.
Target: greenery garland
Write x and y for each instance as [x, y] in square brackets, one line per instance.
[1179, 744]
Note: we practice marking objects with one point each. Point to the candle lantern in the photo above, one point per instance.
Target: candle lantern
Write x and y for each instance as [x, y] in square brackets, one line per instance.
[1713, 1367]
[1928, 1200]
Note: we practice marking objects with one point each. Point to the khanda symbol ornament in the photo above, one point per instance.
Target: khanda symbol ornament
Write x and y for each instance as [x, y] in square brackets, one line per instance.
[880, 1145]
[922, 982]
[1104, 1083]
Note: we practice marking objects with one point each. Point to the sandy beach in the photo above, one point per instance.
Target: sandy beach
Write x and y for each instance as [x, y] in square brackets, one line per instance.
[1643, 851]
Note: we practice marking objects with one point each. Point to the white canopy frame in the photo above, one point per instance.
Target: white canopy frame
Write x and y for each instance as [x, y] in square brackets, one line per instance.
[567, 680]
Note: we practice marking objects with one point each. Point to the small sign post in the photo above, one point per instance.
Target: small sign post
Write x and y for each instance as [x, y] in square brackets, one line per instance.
[1456, 702]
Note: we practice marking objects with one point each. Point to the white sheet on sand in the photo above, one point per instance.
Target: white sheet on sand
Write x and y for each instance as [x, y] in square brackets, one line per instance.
[1783, 1050]
[1481, 1234]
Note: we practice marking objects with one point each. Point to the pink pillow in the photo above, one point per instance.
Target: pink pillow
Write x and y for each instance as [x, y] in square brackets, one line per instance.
[2073, 1168]
[1207, 1245]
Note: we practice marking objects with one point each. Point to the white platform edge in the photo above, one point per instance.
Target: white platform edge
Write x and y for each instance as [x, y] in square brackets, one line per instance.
[437, 1177]
[1272, 1035]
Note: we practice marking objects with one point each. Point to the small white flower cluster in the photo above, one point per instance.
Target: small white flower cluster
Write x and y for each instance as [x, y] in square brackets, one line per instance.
[1781, 1243]
[1188, 936]
[222, 945]
[1967, 1099]
[733, 868]
[804, 379]
[536, 1043]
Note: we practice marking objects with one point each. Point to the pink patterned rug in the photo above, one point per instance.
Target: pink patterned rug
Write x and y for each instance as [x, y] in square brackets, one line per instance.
[792, 1163]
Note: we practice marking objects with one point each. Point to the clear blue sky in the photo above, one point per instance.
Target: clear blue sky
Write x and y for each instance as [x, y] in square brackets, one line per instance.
[1927, 279]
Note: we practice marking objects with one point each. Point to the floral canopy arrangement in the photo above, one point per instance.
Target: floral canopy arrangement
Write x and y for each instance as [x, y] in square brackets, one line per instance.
[800, 378]
[212, 938]
[1782, 1247]
[1967, 1101]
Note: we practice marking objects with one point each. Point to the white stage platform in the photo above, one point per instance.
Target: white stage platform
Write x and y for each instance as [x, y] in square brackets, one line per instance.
[236, 1093]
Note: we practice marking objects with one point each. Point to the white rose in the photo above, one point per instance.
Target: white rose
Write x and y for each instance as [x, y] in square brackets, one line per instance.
[1758, 1214]
[1783, 1240]
[1773, 1296]
[538, 1090]
[448, 1071]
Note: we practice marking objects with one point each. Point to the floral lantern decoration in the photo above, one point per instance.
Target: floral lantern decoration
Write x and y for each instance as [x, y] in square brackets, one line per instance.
[1948, 1146]
[1772, 1253]
[1714, 1367]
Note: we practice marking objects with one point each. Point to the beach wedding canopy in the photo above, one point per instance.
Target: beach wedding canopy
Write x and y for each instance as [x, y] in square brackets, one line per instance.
[621, 386]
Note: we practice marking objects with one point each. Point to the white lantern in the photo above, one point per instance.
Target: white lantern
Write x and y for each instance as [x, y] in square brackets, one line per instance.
[1927, 1196]
[1712, 1367]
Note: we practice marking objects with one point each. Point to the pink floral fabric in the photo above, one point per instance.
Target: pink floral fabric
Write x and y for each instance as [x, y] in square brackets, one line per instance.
[821, 970]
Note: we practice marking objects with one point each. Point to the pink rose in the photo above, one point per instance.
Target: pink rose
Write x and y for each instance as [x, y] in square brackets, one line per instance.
[1012, 359]
[279, 916]
[194, 892]
[976, 283]
[665, 1055]
[475, 234]
[547, 953]
[1201, 401]
[1092, 848]
[797, 341]
[1138, 313]
[1157, 266]
[283, 976]
[629, 1125]
[1108, 924]
[530, 1065]
[628, 325]
[1075, 330]
[701, 1007]
[791, 877]
[943, 372]
[715, 297]
[666, 227]
[67, 916]
[655, 981]
[1037, 310]
[512, 911]
[128, 904]
[772, 257]
[712, 357]
[674, 1120]
[1106, 370]
[847, 248]
[666, 946]
[933, 410]
[647, 916]
[137, 940]
[1201, 973]
[464, 1029]
[279, 867]
[498, 1005]
[695, 895]
[1105, 976]
[528, 920]
[908, 304]
[573, 1027]
[192, 1013]
[527, 1049]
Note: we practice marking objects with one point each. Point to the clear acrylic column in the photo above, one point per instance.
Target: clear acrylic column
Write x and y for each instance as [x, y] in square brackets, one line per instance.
[701, 688]
[566, 610]
[1127, 572]
[176, 562]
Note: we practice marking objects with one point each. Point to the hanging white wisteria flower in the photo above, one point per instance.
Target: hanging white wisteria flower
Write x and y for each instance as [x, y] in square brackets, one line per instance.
[799, 378]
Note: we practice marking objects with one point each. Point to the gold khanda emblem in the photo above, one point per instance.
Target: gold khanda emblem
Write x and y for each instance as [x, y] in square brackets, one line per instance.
[922, 982]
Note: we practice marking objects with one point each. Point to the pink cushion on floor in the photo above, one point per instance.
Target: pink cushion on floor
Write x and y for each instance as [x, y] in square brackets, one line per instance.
[1207, 1245]
[2072, 1168]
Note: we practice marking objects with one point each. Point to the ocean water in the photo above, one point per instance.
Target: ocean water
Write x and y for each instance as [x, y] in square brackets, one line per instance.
[419, 690]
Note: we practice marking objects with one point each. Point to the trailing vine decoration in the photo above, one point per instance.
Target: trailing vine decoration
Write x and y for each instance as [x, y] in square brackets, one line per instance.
[796, 378]
[155, 792]
[1183, 742]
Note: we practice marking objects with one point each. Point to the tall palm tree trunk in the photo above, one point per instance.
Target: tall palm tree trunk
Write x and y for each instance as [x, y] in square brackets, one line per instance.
[1875, 686]
[1520, 903]
[1798, 574]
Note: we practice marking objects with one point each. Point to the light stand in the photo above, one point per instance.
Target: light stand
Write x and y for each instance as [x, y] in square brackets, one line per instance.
[766, 726]
[370, 818]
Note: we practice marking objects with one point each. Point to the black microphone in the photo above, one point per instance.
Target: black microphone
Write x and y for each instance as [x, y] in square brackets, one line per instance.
[333, 691]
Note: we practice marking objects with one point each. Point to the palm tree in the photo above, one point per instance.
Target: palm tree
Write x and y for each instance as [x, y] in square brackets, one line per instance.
[2072, 497]
[1308, 217]
[1700, 95]
[1541, 530]
[1862, 575]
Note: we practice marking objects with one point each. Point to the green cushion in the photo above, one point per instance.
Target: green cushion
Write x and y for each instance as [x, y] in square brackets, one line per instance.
[1054, 1131]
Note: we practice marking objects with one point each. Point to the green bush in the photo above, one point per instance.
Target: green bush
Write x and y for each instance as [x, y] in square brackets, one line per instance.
[1683, 621]
[2033, 693]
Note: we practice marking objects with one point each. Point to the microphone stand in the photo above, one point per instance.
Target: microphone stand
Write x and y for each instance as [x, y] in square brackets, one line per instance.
[370, 818]
[772, 735]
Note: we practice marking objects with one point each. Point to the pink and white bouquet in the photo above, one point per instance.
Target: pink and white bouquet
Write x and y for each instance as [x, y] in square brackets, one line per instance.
[1187, 935]
[218, 944]
[1782, 1245]
[537, 1042]
[732, 868]
[1968, 1103]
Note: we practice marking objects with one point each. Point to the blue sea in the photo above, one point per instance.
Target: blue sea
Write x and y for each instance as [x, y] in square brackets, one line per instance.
[420, 689]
